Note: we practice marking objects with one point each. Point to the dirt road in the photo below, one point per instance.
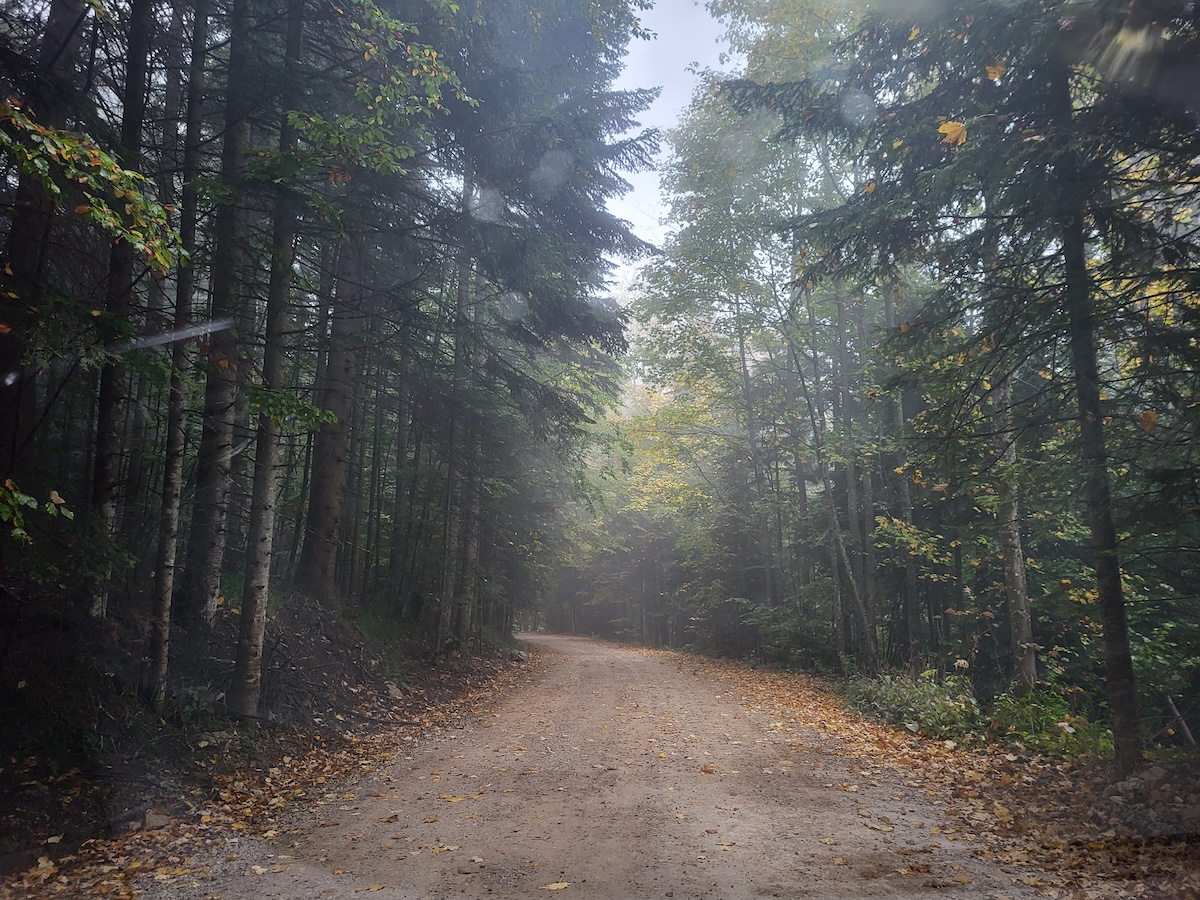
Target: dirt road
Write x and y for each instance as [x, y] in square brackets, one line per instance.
[613, 774]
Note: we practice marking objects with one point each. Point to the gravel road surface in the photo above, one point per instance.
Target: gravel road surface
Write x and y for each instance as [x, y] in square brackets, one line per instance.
[612, 773]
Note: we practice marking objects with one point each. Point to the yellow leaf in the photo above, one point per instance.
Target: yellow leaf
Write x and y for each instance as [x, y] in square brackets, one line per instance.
[870, 188]
[897, 143]
[557, 886]
[1148, 421]
[372, 888]
[961, 879]
[916, 31]
[953, 133]
[996, 70]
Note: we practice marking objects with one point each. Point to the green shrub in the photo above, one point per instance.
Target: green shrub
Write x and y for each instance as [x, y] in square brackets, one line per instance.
[942, 708]
[1046, 722]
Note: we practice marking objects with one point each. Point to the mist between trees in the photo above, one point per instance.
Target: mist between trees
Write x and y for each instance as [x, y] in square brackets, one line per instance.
[312, 297]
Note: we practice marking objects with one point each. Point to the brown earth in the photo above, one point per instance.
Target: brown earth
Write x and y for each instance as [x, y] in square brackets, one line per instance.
[611, 773]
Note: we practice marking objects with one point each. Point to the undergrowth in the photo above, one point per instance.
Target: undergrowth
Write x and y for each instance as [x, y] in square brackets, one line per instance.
[1045, 721]
[939, 708]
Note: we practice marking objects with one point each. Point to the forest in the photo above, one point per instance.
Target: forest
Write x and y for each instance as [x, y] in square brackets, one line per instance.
[308, 301]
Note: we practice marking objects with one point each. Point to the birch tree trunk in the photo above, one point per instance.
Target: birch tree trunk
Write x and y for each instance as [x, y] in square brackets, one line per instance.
[246, 688]
[176, 429]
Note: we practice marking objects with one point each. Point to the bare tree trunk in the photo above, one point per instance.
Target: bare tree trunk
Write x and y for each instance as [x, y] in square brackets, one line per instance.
[869, 654]
[246, 688]
[168, 522]
[1016, 591]
[912, 599]
[852, 554]
[868, 499]
[325, 288]
[206, 544]
[452, 531]
[117, 306]
[402, 498]
[331, 448]
[765, 541]
[469, 598]
[1079, 302]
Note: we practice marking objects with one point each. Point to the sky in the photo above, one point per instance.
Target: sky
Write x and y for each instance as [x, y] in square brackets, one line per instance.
[686, 35]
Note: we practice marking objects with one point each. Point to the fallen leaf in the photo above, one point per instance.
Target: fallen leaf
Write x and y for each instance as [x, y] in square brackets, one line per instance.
[557, 886]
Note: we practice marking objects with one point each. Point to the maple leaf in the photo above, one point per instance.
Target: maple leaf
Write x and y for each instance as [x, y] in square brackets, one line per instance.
[954, 133]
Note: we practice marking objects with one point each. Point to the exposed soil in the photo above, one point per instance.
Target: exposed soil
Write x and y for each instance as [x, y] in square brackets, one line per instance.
[611, 773]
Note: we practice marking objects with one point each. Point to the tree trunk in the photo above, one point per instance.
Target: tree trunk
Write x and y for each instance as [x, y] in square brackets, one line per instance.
[869, 660]
[331, 447]
[1079, 302]
[110, 418]
[1016, 591]
[912, 597]
[46, 101]
[452, 532]
[176, 430]
[206, 544]
[852, 554]
[758, 509]
[246, 688]
[469, 599]
[869, 461]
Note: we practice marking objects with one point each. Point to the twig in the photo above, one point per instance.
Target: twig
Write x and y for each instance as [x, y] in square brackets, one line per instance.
[1183, 729]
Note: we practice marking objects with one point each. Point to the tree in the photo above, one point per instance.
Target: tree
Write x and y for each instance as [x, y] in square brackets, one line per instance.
[1006, 101]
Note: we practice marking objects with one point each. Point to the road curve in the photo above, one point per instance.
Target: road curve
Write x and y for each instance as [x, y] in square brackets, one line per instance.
[613, 773]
